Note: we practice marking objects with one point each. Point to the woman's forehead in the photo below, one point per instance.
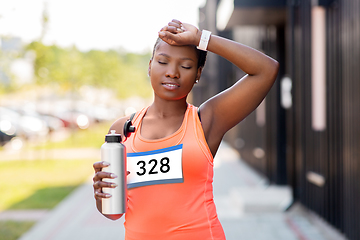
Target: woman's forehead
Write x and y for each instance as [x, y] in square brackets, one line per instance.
[175, 51]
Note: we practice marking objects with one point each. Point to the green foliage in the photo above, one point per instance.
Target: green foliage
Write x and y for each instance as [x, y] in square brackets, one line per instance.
[11, 230]
[71, 68]
[6, 85]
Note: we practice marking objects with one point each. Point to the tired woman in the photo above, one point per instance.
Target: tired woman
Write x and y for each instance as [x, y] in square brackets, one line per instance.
[170, 193]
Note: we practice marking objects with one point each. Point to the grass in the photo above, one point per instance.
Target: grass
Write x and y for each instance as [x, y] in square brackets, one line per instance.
[44, 198]
[93, 137]
[11, 230]
[40, 184]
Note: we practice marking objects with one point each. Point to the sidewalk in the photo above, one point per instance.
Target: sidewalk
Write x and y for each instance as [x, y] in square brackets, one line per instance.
[248, 208]
[61, 154]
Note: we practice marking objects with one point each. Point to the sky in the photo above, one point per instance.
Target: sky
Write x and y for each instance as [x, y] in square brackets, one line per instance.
[95, 24]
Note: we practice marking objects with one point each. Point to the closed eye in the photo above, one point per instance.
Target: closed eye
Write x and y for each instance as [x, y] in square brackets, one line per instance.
[186, 67]
[161, 62]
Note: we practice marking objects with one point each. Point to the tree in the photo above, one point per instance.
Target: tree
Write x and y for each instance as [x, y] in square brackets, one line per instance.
[71, 68]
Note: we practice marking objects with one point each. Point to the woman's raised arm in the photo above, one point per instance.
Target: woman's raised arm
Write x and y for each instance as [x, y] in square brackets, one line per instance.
[223, 111]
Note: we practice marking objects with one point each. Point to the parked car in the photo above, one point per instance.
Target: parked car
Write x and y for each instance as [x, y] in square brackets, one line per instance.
[26, 126]
[4, 138]
[52, 123]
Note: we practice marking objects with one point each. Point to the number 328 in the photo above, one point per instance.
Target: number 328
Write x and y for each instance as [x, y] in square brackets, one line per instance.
[164, 166]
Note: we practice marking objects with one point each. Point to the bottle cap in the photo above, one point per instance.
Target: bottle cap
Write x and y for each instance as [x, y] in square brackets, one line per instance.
[113, 137]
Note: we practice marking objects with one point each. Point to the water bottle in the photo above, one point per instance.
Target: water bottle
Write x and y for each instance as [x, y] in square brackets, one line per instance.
[114, 152]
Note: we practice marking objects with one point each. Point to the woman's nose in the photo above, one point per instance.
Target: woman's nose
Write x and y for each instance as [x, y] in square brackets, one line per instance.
[172, 72]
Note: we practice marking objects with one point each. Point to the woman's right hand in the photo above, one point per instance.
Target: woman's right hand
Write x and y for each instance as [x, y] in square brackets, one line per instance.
[98, 184]
[178, 33]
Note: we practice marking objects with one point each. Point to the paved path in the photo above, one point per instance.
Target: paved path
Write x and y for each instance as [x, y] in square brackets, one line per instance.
[248, 208]
[61, 154]
[23, 215]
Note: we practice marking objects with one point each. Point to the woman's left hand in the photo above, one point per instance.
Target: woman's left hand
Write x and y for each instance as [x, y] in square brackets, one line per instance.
[178, 33]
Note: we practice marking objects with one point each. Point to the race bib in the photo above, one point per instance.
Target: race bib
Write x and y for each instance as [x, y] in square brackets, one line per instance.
[155, 167]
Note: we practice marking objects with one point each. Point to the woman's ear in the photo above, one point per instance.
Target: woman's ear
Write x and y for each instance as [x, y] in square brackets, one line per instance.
[198, 74]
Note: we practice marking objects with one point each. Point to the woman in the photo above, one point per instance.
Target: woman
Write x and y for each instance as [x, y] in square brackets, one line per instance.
[170, 192]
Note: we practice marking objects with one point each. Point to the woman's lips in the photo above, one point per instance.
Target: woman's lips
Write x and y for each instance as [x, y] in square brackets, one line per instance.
[171, 86]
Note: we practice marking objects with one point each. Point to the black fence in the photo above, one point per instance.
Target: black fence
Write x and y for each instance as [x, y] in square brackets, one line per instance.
[333, 153]
[350, 56]
[316, 152]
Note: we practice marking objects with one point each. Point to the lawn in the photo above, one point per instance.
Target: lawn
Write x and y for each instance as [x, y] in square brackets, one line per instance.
[10, 230]
[40, 184]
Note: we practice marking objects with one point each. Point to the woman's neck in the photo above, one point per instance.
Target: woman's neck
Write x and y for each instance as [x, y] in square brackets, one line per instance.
[163, 108]
[162, 119]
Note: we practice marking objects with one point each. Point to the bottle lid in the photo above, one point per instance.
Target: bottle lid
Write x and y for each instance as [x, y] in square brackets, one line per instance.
[113, 137]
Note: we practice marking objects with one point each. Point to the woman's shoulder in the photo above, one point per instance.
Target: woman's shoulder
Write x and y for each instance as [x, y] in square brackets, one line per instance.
[118, 125]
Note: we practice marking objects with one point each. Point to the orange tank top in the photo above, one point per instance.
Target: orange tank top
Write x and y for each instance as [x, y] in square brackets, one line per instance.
[175, 201]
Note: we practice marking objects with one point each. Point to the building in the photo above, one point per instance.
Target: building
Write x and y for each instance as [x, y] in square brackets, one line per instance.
[306, 133]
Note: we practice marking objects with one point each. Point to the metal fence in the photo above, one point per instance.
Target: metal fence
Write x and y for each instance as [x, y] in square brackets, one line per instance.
[350, 55]
[333, 153]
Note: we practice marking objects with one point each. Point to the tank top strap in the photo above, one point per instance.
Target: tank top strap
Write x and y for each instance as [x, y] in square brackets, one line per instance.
[138, 117]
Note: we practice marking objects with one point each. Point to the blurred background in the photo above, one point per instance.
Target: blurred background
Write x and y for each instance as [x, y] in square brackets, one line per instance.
[68, 69]
[306, 133]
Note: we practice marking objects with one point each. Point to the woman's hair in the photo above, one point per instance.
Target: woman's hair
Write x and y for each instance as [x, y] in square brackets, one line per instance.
[201, 55]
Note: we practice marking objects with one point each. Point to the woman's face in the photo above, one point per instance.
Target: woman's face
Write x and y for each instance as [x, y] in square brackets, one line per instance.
[173, 71]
